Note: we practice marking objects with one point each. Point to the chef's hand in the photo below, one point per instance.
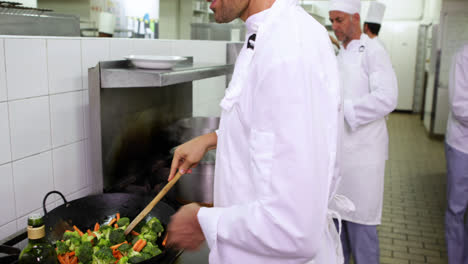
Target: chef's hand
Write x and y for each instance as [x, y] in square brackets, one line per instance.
[187, 155]
[334, 41]
[184, 230]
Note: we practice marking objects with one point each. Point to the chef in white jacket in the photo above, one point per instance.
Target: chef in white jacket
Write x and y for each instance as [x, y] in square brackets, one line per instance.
[276, 145]
[373, 21]
[456, 151]
[370, 94]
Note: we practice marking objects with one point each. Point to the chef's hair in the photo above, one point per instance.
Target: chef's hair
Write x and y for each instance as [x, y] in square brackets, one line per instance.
[373, 27]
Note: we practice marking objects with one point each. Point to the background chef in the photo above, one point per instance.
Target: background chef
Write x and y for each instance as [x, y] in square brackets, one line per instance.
[373, 22]
[276, 145]
[456, 152]
[370, 93]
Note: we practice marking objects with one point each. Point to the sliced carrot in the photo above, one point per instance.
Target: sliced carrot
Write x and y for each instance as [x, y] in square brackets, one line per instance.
[117, 216]
[118, 245]
[135, 233]
[74, 260]
[112, 222]
[78, 230]
[140, 245]
[71, 253]
[164, 241]
[91, 233]
[96, 227]
[61, 260]
[116, 225]
[66, 259]
[135, 246]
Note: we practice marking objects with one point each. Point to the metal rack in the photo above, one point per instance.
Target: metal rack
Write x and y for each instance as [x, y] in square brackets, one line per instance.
[16, 19]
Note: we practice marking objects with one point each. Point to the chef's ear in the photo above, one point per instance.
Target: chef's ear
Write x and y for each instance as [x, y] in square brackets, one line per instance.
[356, 17]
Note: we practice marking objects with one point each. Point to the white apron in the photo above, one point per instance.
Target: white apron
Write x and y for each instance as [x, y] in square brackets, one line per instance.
[364, 150]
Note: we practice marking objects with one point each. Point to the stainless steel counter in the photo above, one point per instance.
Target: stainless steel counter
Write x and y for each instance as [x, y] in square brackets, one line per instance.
[199, 256]
[120, 74]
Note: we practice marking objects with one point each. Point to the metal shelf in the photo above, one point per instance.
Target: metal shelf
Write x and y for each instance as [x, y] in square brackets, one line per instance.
[120, 74]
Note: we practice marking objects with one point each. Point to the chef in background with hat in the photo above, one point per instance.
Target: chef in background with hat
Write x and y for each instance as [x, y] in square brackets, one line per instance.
[373, 22]
[370, 93]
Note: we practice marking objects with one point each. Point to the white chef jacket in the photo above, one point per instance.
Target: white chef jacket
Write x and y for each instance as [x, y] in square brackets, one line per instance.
[277, 146]
[457, 126]
[370, 93]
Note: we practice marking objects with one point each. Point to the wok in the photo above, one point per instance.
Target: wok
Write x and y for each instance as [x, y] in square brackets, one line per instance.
[85, 212]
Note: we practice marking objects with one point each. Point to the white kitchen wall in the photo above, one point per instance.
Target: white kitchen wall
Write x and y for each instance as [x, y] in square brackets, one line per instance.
[44, 113]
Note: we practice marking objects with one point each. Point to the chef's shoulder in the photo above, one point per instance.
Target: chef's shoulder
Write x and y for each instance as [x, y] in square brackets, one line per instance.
[374, 47]
[298, 34]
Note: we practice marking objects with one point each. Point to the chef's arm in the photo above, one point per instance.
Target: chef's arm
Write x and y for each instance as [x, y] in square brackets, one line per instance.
[383, 96]
[188, 155]
[459, 88]
[291, 161]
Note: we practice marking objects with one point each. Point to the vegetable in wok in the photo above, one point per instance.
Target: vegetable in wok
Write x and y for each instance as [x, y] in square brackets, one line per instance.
[107, 244]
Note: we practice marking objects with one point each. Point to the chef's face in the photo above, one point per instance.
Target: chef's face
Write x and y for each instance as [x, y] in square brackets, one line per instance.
[228, 10]
[343, 24]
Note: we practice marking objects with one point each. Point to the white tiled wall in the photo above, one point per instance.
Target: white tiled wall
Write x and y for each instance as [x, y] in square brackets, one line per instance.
[44, 113]
[3, 89]
[64, 65]
[26, 68]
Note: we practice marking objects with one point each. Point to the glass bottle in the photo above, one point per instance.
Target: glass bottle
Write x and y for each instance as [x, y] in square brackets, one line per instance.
[38, 250]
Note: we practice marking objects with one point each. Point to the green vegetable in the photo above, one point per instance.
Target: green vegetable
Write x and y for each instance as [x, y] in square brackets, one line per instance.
[152, 250]
[85, 253]
[155, 225]
[136, 259]
[117, 236]
[124, 221]
[69, 235]
[86, 238]
[125, 248]
[62, 247]
[104, 243]
[103, 256]
[123, 260]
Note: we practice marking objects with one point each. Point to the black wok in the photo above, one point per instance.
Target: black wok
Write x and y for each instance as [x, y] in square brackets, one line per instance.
[85, 212]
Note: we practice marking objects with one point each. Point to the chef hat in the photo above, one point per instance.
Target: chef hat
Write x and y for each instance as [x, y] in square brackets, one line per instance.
[106, 23]
[347, 6]
[376, 13]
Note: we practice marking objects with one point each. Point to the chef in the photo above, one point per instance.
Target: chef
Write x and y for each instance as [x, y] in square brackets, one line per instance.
[456, 151]
[370, 94]
[373, 22]
[276, 145]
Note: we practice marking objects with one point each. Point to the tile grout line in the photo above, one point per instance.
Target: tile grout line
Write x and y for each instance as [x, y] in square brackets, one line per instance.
[44, 151]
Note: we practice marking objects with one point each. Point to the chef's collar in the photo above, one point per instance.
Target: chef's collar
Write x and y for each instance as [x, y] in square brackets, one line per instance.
[357, 44]
[254, 21]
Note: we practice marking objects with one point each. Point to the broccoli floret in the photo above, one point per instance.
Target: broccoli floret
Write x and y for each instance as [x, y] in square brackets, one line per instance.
[117, 236]
[105, 231]
[136, 259]
[62, 247]
[85, 253]
[124, 221]
[96, 249]
[86, 238]
[125, 248]
[151, 249]
[155, 225]
[68, 235]
[123, 260]
[103, 243]
[73, 243]
[149, 236]
[103, 256]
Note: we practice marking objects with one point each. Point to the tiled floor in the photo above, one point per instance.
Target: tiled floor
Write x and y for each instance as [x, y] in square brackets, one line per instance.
[412, 229]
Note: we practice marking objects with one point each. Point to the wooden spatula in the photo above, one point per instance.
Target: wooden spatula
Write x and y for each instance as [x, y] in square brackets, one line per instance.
[152, 204]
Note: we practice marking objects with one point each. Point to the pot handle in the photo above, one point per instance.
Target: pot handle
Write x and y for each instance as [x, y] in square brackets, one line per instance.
[47, 195]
